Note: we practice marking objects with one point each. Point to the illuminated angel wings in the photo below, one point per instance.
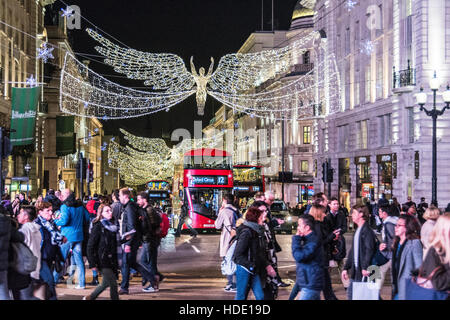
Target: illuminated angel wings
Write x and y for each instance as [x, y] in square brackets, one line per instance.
[161, 71]
[236, 82]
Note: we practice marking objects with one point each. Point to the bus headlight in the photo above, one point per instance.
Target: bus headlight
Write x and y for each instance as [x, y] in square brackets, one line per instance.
[189, 221]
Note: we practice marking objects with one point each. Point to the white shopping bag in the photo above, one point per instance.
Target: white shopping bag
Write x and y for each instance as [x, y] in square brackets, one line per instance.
[365, 290]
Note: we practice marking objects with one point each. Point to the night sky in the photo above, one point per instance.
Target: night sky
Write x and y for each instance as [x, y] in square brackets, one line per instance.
[202, 28]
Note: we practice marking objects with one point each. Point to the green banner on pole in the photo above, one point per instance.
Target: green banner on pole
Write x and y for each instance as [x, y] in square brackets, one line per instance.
[24, 104]
[65, 135]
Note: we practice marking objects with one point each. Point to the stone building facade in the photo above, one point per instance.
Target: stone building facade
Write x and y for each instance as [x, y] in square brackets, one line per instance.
[21, 32]
[375, 136]
[24, 26]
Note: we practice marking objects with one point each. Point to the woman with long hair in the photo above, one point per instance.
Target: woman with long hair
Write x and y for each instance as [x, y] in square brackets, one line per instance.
[431, 215]
[406, 254]
[102, 252]
[437, 259]
[250, 257]
[326, 237]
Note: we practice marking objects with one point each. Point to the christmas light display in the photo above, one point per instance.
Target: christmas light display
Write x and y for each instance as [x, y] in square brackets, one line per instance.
[85, 93]
[150, 145]
[236, 74]
[45, 53]
[145, 159]
[67, 12]
[367, 47]
[252, 83]
[350, 4]
[136, 167]
[31, 81]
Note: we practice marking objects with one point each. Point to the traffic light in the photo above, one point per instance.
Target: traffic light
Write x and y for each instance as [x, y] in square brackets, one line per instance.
[81, 168]
[91, 172]
[327, 171]
[324, 171]
[330, 171]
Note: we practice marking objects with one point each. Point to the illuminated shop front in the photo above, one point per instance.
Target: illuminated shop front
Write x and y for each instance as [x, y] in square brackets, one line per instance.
[345, 185]
[387, 171]
[364, 185]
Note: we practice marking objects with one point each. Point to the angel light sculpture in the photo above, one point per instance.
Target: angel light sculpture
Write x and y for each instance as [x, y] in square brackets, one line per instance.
[236, 82]
[202, 81]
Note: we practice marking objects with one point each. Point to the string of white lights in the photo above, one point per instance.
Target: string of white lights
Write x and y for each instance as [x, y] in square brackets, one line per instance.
[137, 167]
[86, 93]
[240, 72]
[234, 77]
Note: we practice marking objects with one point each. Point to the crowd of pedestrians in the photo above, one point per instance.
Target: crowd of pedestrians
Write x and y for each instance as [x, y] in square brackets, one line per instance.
[410, 242]
[64, 233]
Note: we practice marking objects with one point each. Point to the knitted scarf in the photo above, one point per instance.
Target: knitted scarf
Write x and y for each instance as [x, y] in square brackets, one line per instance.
[51, 227]
[109, 225]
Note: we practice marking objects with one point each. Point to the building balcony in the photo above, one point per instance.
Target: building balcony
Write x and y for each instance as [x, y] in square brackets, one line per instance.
[301, 69]
[404, 80]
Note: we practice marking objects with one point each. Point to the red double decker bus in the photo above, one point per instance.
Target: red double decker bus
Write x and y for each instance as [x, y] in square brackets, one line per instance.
[207, 177]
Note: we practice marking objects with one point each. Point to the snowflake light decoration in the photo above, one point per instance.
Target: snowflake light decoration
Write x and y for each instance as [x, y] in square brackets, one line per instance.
[31, 81]
[45, 53]
[350, 4]
[67, 13]
[367, 47]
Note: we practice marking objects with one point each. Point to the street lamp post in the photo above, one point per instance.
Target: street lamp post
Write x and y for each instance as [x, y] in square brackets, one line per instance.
[27, 169]
[434, 114]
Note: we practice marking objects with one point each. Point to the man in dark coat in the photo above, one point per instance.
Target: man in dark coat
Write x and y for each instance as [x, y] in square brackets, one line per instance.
[363, 249]
[336, 223]
[7, 234]
[151, 221]
[130, 217]
[421, 210]
[410, 203]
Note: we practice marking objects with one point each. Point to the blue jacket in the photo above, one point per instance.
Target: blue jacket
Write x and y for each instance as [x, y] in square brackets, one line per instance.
[73, 218]
[308, 255]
